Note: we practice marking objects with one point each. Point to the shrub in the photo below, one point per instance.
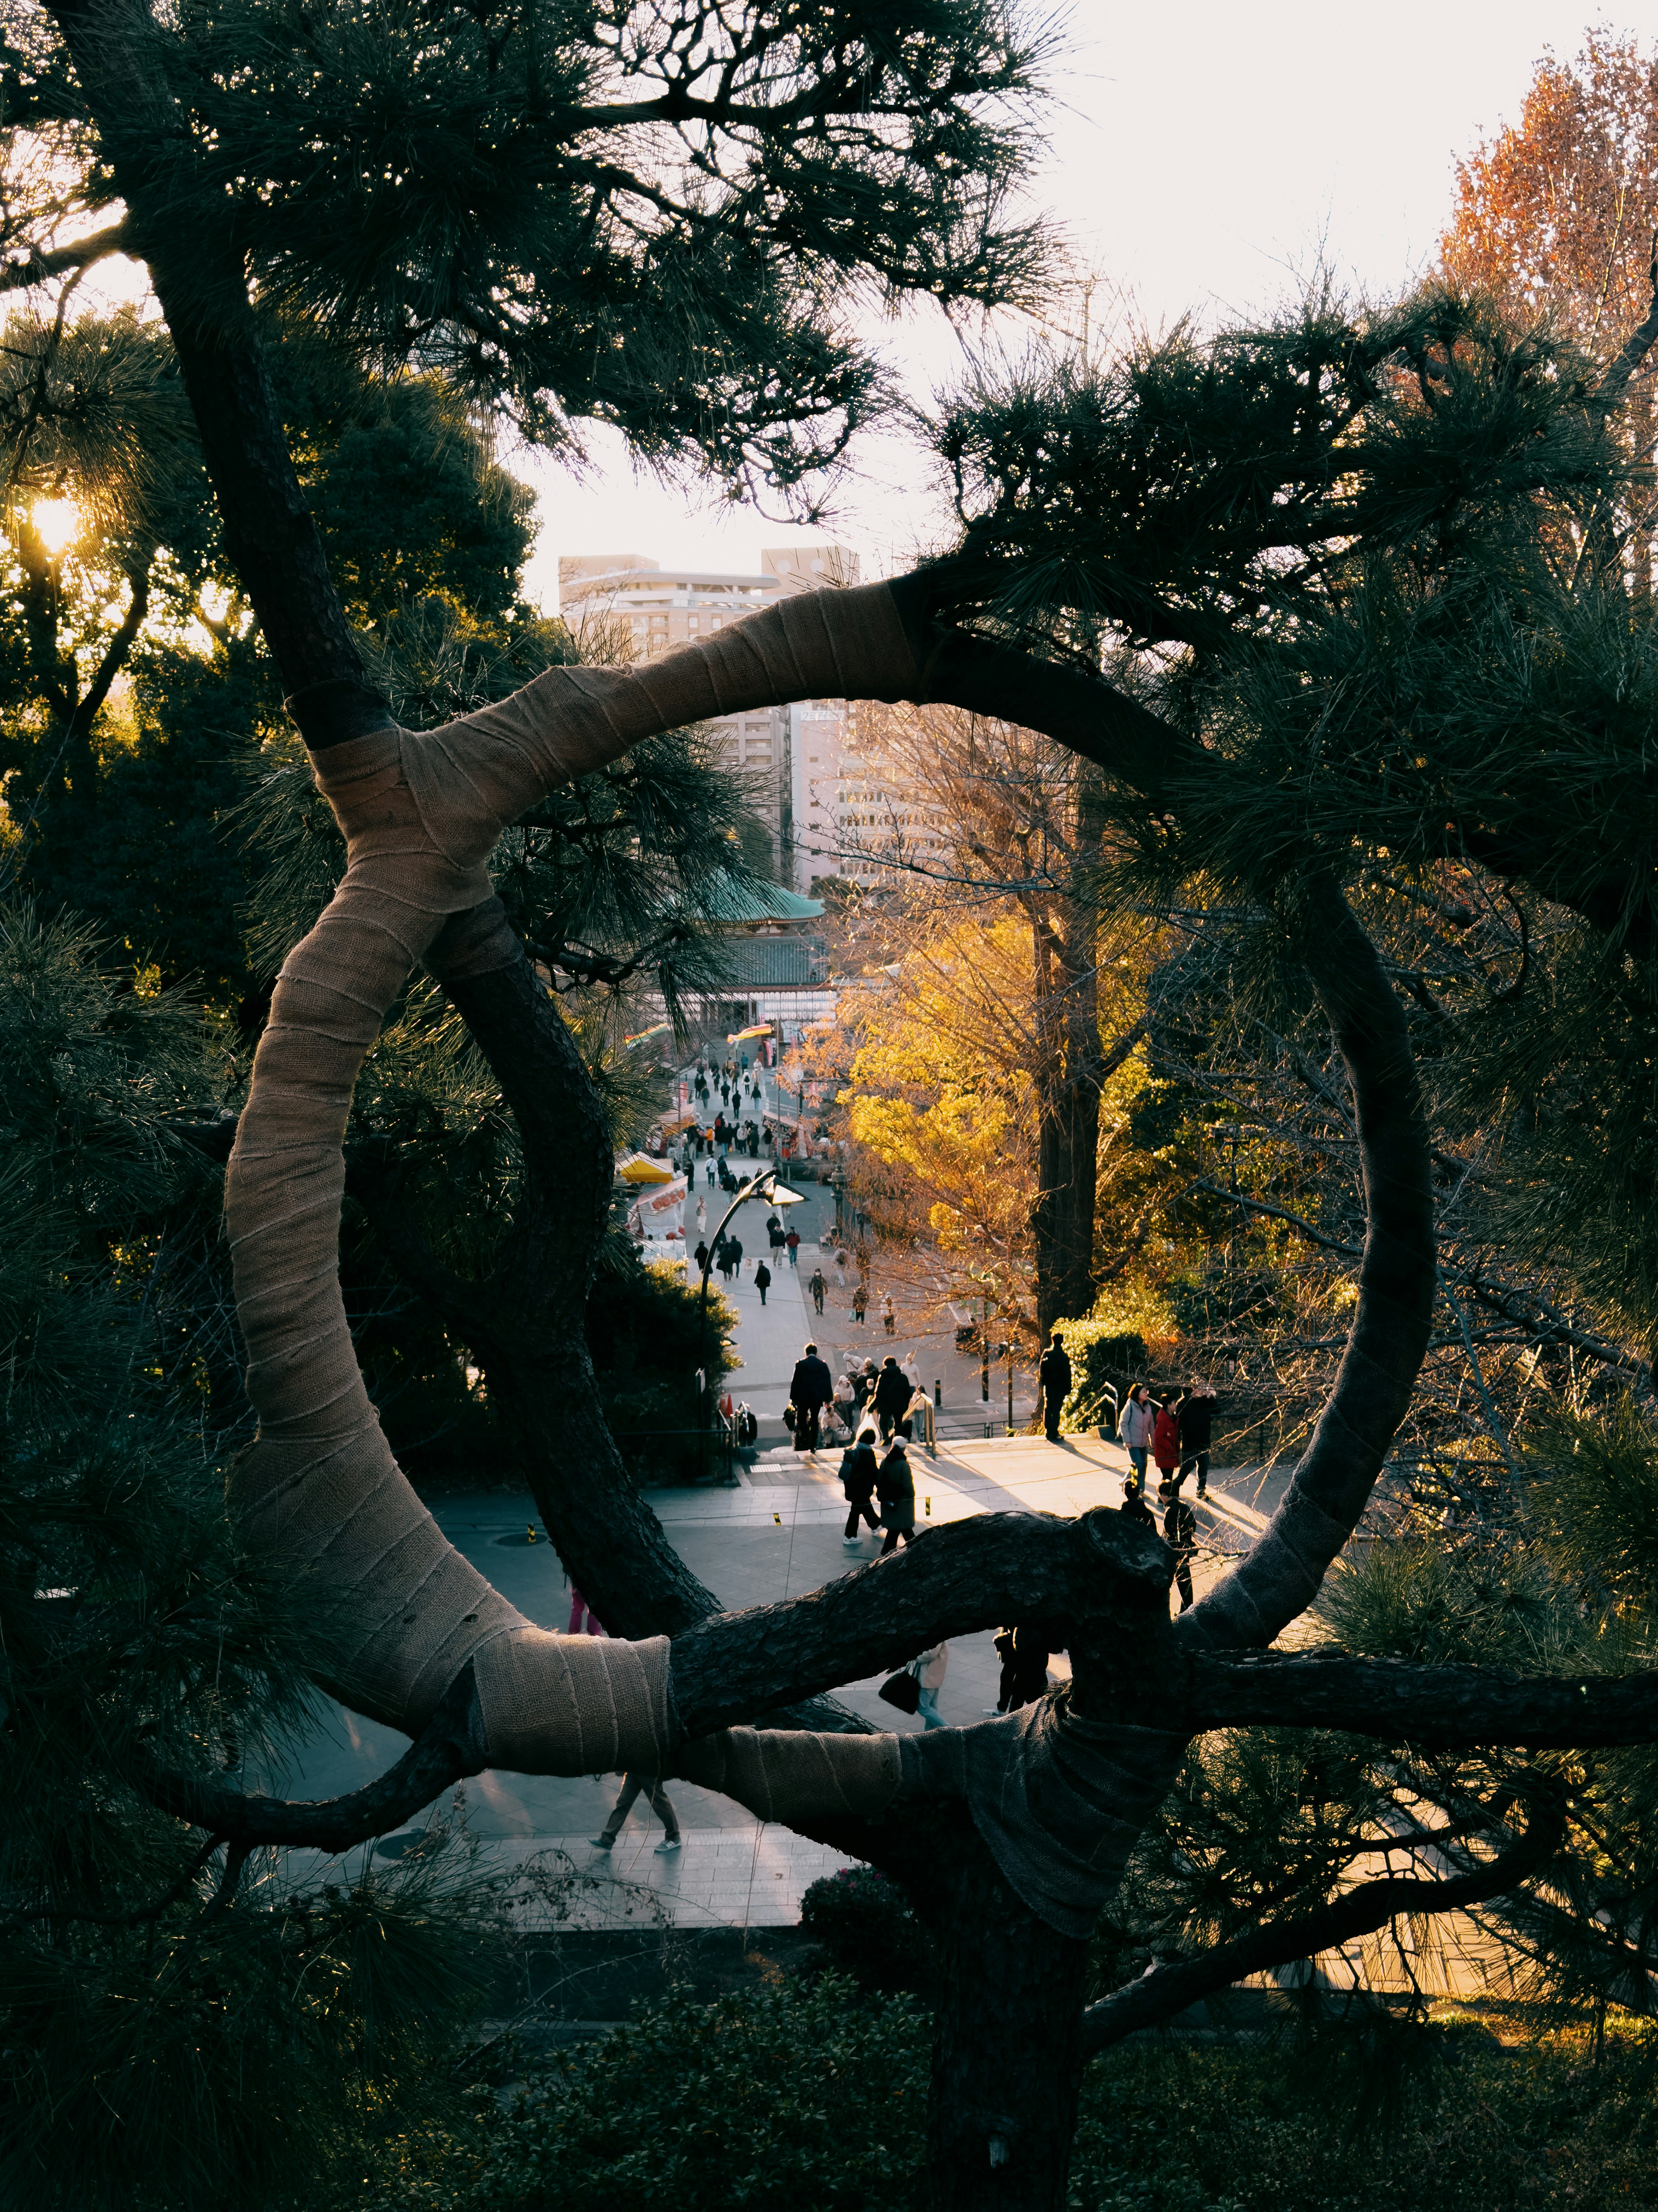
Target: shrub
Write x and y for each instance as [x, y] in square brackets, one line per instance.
[798, 2097]
[865, 1927]
[802, 2097]
[1099, 1356]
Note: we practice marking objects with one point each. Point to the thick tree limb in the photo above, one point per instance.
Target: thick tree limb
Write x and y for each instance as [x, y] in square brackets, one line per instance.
[1280, 1577]
[1437, 1708]
[1168, 1991]
[448, 1749]
[970, 1575]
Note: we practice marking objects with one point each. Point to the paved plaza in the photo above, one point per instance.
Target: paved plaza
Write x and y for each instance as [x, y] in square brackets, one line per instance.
[777, 1534]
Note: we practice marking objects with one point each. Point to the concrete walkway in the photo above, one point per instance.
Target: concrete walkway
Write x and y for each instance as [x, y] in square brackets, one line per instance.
[777, 1534]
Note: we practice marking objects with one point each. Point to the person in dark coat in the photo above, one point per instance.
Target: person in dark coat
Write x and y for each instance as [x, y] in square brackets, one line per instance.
[1032, 1642]
[896, 1486]
[892, 1396]
[1008, 1676]
[1134, 1508]
[811, 1388]
[763, 1281]
[701, 1257]
[1196, 1426]
[859, 1473]
[1053, 1373]
[1180, 1533]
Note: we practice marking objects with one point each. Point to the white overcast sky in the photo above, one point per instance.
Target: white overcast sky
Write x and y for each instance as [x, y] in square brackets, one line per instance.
[1204, 157]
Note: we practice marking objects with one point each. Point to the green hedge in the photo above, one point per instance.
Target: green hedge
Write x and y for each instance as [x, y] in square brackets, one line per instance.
[804, 2096]
[864, 1926]
[1098, 1355]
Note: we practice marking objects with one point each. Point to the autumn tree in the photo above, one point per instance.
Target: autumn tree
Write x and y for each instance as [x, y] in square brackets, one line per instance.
[1278, 533]
[1557, 216]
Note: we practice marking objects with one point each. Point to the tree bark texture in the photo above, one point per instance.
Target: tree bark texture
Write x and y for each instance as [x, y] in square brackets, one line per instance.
[1070, 1074]
[1007, 2051]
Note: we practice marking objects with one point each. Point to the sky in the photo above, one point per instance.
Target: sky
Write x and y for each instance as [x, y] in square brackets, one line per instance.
[1203, 159]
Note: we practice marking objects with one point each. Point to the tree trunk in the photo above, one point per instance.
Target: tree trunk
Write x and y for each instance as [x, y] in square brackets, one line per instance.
[182, 230]
[1068, 1080]
[1067, 1162]
[1007, 2054]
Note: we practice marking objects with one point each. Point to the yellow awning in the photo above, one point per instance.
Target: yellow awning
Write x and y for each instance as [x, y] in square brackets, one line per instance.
[639, 1169]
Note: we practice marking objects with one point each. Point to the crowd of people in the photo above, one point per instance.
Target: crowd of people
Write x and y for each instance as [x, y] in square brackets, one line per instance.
[1175, 1430]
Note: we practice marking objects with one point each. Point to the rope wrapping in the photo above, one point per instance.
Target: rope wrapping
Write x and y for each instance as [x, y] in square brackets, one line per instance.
[421, 812]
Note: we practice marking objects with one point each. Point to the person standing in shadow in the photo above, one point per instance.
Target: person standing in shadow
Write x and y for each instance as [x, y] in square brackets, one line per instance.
[1053, 1375]
[1180, 1533]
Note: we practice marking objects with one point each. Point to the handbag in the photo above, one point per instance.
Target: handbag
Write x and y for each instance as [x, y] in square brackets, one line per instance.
[790, 1417]
[901, 1690]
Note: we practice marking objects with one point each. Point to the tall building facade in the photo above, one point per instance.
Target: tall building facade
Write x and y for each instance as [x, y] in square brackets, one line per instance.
[821, 783]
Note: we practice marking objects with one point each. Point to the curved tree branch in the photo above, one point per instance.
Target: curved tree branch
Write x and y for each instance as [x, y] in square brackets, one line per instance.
[1437, 1708]
[448, 1749]
[1167, 1990]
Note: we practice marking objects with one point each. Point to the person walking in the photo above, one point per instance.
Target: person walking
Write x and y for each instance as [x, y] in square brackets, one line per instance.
[929, 1670]
[1054, 1377]
[583, 1621]
[844, 1404]
[811, 1388]
[792, 1240]
[889, 1314]
[1197, 1422]
[892, 1396]
[896, 1486]
[1180, 1533]
[632, 1785]
[818, 1286]
[1165, 1446]
[859, 1473]
[763, 1281]
[701, 1256]
[702, 1217]
[859, 1304]
[734, 1246]
[839, 1271]
[1031, 1646]
[1134, 1432]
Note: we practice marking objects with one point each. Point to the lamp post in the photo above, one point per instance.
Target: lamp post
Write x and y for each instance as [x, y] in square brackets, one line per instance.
[764, 1185]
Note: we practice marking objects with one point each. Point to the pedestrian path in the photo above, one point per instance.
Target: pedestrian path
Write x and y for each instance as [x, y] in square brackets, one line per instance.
[752, 1876]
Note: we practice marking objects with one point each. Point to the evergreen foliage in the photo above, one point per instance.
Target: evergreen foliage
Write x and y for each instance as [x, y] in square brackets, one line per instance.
[176, 2028]
[1165, 2126]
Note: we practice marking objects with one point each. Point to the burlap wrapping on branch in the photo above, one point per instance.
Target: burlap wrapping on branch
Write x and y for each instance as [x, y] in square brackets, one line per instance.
[1061, 1801]
[788, 1774]
[421, 812]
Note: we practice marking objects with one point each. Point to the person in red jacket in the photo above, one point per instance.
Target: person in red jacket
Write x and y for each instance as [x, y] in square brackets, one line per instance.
[1165, 1446]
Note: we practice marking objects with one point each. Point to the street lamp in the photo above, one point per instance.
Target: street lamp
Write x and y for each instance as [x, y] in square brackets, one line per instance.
[764, 1185]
